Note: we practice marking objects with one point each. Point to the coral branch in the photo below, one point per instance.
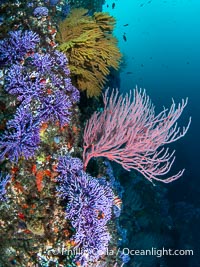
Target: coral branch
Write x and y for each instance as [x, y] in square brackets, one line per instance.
[90, 47]
[21, 137]
[129, 133]
[88, 208]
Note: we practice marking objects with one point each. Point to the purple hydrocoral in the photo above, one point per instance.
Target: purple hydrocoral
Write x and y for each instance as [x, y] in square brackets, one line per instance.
[61, 61]
[19, 82]
[55, 107]
[40, 11]
[88, 207]
[28, 81]
[21, 137]
[69, 166]
[44, 63]
[3, 183]
[45, 80]
[18, 43]
[54, 67]
[69, 88]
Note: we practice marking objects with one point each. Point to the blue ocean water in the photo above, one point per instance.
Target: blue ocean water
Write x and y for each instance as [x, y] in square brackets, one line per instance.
[160, 41]
[161, 54]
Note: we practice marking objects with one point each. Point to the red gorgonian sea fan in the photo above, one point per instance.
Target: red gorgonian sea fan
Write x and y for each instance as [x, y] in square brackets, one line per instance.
[128, 132]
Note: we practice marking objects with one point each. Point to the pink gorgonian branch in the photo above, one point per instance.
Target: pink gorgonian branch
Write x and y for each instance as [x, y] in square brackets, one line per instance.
[128, 132]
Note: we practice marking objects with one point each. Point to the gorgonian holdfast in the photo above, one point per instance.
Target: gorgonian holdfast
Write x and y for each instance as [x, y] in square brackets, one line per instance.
[18, 43]
[88, 207]
[21, 137]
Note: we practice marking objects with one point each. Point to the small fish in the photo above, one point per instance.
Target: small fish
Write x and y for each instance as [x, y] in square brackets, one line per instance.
[124, 37]
[149, 2]
[125, 25]
[113, 5]
[107, 6]
[117, 202]
[141, 5]
[129, 72]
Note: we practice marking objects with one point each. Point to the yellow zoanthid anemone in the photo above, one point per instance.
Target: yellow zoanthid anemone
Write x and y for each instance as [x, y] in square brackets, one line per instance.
[91, 48]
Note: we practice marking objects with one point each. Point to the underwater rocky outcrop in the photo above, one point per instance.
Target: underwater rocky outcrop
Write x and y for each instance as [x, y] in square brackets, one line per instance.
[53, 212]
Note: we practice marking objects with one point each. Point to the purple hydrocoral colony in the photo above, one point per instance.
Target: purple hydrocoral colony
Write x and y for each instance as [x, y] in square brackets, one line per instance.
[44, 63]
[18, 81]
[88, 208]
[55, 107]
[15, 47]
[29, 80]
[54, 68]
[41, 11]
[61, 61]
[42, 74]
[21, 137]
[41, 83]
[3, 183]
